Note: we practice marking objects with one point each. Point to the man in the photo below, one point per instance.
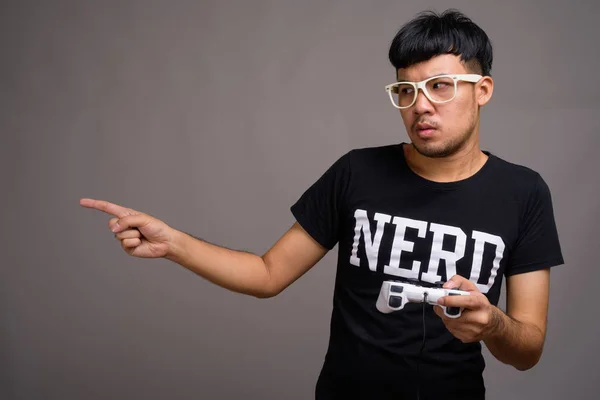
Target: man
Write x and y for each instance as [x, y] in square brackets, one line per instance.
[436, 210]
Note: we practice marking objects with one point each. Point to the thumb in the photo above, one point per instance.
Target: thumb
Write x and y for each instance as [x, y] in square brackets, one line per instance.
[130, 221]
[460, 283]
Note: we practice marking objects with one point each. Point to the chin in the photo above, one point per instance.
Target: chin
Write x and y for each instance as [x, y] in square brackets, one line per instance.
[436, 150]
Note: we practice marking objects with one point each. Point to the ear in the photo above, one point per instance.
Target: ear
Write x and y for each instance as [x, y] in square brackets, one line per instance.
[484, 90]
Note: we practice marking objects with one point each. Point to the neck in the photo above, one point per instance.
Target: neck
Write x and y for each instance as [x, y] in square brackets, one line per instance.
[458, 166]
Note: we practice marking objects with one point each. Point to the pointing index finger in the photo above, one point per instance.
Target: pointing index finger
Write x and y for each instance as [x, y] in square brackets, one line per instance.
[105, 206]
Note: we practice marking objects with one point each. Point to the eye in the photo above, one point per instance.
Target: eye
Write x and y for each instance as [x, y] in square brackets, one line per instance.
[441, 85]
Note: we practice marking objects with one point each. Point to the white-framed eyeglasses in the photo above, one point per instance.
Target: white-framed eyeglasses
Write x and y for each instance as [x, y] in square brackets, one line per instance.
[438, 89]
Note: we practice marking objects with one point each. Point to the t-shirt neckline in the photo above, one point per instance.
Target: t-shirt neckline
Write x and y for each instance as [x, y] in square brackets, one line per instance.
[444, 185]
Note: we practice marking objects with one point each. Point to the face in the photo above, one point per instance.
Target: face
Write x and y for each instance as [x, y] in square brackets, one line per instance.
[443, 129]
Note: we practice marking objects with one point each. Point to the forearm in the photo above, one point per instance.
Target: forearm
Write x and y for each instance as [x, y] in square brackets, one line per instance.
[515, 343]
[238, 271]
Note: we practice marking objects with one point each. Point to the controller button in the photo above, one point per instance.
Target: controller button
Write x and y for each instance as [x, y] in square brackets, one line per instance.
[395, 301]
[453, 310]
[396, 289]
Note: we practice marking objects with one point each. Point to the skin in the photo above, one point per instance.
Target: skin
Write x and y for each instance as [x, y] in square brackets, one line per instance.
[451, 152]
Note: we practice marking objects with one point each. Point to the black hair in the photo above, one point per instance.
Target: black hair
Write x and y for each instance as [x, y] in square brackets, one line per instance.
[430, 34]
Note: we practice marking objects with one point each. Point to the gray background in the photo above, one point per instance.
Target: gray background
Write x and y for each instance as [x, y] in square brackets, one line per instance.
[215, 116]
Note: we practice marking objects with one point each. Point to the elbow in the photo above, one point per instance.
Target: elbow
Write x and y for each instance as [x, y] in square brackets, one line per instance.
[268, 291]
[532, 354]
[265, 295]
[525, 367]
[269, 287]
[530, 363]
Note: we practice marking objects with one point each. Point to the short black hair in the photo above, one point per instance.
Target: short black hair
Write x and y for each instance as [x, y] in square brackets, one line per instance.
[430, 34]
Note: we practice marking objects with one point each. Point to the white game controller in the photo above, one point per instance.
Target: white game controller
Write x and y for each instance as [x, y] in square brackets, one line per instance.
[394, 296]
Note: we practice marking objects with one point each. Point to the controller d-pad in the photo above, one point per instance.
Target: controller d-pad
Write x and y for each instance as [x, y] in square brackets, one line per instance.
[395, 301]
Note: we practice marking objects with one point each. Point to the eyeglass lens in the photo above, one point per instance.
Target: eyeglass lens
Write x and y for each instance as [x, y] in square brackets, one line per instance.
[439, 89]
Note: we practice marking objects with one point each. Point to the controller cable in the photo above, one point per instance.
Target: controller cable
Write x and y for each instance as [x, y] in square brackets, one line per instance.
[421, 351]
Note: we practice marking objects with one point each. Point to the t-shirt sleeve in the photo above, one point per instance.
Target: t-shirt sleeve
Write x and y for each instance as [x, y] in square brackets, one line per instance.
[538, 246]
[319, 210]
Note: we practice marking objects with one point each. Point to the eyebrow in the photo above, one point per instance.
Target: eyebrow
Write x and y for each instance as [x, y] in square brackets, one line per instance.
[437, 74]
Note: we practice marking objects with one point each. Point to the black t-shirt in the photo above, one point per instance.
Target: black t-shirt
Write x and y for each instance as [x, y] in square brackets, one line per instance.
[392, 224]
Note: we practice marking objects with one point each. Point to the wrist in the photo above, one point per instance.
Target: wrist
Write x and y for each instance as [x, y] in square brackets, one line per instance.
[496, 325]
[177, 245]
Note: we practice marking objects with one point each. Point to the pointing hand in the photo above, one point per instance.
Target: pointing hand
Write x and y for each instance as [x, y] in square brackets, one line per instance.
[141, 235]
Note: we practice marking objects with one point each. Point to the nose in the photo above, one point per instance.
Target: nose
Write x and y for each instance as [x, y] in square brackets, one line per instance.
[422, 104]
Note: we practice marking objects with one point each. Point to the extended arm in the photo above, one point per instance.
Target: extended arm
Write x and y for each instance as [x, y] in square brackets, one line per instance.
[292, 256]
[142, 235]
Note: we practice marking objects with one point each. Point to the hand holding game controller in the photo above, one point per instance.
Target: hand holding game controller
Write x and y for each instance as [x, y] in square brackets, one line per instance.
[394, 295]
[481, 320]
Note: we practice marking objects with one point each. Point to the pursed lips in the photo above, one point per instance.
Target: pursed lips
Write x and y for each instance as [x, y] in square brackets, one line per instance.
[424, 129]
